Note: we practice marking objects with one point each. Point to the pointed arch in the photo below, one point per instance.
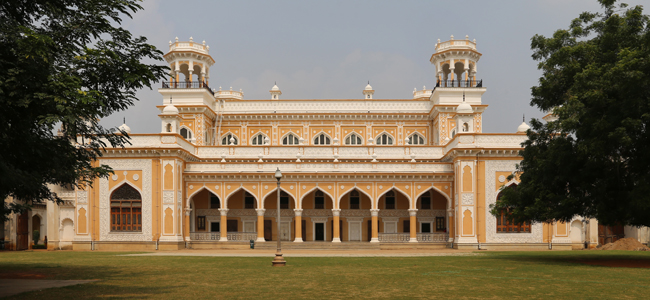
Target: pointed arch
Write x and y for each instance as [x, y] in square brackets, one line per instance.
[432, 188]
[322, 138]
[227, 197]
[187, 134]
[322, 190]
[384, 138]
[120, 184]
[353, 138]
[417, 138]
[397, 189]
[221, 202]
[292, 138]
[373, 203]
[295, 202]
[258, 139]
[225, 138]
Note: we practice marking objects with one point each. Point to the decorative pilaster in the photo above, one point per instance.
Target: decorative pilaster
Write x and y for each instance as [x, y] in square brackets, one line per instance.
[260, 225]
[298, 215]
[335, 235]
[375, 225]
[188, 213]
[223, 228]
[413, 230]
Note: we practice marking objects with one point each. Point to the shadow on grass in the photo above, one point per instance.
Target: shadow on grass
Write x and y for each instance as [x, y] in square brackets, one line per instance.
[582, 257]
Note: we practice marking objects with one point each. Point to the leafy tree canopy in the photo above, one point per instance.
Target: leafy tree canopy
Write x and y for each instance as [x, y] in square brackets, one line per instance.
[64, 63]
[594, 160]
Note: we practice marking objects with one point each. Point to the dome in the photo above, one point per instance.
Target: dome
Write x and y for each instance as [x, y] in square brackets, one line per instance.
[275, 88]
[170, 110]
[125, 128]
[464, 108]
[368, 87]
[523, 127]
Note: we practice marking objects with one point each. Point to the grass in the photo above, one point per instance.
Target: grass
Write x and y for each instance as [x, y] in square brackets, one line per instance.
[487, 275]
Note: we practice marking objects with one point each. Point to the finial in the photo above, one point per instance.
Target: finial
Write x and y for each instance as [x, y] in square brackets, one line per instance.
[524, 118]
[177, 39]
[170, 99]
[463, 96]
[467, 37]
[203, 42]
[124, 120]
[275, 83]
[368, 81]
[191, 39]
[170, 42]
[452, 36]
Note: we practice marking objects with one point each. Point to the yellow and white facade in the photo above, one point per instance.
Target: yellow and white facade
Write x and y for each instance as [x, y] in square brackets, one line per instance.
[378, 171]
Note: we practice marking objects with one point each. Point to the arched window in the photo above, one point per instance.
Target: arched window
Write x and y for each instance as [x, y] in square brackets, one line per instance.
[354, 199]
[258, 139]
[506, 226]
[353, 139]
[249, 201]
[425, 201]
[453, 133]
[214, 202]
[322, 139]
[169, 127]
[416, 139]
[319, 200]
[390, 200]
[465, 127]
[384, 139]
[284, 200]
[290, 139]
[126, 209]
[185, 133]
[226, 139]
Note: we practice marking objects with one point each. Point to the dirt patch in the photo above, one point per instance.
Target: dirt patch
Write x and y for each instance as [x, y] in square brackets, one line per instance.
[619, 263]
[23, 275]
[628, 244]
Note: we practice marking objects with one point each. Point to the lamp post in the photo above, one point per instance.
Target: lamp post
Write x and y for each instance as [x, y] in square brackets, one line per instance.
[278, 261]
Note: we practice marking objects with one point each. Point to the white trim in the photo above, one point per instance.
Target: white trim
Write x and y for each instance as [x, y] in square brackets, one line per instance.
[235, 191]
[264, 136]
[390, 135]
[350, 134]
[315, 221]
[317, 135]
[313, 189]
[296, 136]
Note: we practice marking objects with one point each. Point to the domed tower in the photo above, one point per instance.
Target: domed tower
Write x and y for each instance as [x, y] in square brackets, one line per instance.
[275, 92]
[368, 91]
[193, 112]
[457, 94]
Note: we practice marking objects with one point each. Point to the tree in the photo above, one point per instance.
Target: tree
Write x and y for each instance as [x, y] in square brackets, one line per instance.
[594, 160]
[64, 63]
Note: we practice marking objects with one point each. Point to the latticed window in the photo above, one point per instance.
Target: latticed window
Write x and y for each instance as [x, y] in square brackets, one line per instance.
[258, 140]
[506, 226]
[384, 139]
[416, 139]
[249, 201]
[284, 200]
[126, 209]
[319, 200]
[390, 200]
[226, 139]
[441, 225]
[290, 139]
[354, 200]
[353, 139]
[322, 139]
[425, 201]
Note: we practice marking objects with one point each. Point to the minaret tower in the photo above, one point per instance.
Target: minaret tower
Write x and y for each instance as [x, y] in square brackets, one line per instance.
[275, 92]
[457, 93]
[193, 112]
[368, 91]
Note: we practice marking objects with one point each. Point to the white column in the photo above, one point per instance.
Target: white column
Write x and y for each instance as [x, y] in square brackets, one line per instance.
[374, 213]
[413, 224]
[336, 238]
[223, 225]
[260, 225]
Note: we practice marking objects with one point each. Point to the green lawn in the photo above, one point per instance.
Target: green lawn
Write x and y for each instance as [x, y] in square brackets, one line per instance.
[487, 275]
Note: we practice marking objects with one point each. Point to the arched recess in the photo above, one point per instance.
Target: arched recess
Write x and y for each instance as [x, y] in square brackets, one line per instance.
[434, 189]
[417, 139]
[576, 232]
[273, 194]
[37, 221]
[291, 139]
[353, 138]
[322, 138]
[227, 197]
[304, 195]
[185, 132]
[258, 139]
[225, 139]
[204, 188]
[384, 139]
[372, 200]
[396, 189]
[67, 228]
[344, 196]
[126, 208]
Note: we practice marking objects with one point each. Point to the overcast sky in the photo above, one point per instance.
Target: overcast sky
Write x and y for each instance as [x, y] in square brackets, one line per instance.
[330, 49]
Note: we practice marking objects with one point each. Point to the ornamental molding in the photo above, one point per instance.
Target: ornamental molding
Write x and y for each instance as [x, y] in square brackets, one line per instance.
[467, 199]
[144, 165]
[536, 234]
[82, 197]
[168, 197]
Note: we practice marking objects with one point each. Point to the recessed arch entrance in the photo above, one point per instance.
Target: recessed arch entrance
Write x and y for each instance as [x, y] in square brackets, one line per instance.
[287, 207]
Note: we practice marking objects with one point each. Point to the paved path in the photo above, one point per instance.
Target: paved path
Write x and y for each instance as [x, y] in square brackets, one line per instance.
[311, 253]
[10, 287]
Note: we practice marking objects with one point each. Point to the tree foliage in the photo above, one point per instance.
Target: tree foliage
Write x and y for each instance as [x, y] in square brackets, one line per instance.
[594, 160]
[64, 63]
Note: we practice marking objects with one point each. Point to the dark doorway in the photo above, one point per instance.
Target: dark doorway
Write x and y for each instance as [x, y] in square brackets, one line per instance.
[214, 227]
[320, 231]
[231, 226]
[304, 229]
[268, 230]
[22, 232]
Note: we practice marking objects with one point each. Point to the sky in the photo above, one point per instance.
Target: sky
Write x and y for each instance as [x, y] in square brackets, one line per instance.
[331, 49]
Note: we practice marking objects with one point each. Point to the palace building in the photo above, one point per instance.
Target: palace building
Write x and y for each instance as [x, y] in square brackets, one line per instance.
[376, 172]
